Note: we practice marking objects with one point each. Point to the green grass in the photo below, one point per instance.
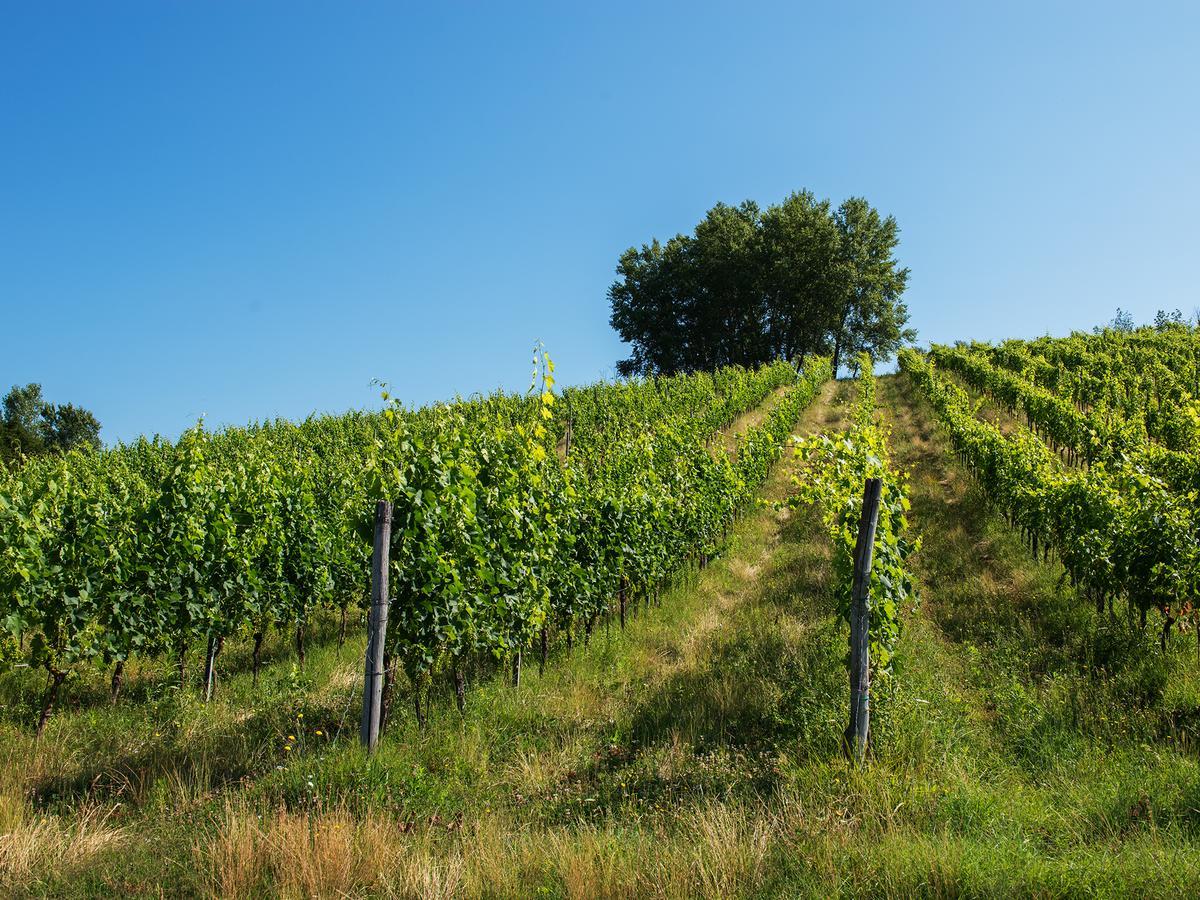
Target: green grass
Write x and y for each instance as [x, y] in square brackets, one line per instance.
[1026, 746]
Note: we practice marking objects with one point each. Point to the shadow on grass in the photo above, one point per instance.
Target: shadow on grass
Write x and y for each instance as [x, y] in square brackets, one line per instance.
[152, 680]
[766, 682]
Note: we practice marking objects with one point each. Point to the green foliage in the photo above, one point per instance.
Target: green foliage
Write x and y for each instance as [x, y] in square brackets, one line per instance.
[1118, 530]
[1104, 398]
[834, 470]
[499, 531]
[695, 754]
[31, 426]
[752, 285]
[498, 535]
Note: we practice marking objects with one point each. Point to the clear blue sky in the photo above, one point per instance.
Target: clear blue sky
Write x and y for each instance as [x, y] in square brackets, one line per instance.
[252, 209]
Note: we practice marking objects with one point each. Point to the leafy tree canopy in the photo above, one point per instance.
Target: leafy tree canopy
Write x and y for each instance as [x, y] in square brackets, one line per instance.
[30, 426]
[750, 285]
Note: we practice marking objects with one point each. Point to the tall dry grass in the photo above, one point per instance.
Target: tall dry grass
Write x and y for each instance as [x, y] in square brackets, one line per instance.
[330, 854]
[33, 842]
[712, 851]
[32, 845]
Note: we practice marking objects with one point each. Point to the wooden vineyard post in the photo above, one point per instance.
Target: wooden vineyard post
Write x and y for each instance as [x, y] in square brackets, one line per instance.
[855, 739]
[210, 663]
[376, 626]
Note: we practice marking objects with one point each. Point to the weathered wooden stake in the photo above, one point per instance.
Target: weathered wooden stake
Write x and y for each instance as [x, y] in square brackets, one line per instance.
[855, 742]
[118, 678]
[55, 682]
[376, 626]
[210, 666]
[258, 642]
[417, 703]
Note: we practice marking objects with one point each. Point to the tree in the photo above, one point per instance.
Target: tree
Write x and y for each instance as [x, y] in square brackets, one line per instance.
[20, 434]
[67, 425]
[800, 250]
[726, 260]
[1165, 321]
[871, 316]
[31, 426]
[1122, 321]
[751, 285]
[653, 308]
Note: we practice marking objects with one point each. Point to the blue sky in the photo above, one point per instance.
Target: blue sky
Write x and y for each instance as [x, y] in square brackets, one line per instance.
[250, 209]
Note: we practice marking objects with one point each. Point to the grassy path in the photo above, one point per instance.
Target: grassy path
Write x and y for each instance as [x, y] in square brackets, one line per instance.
[1048, 768]
[747, 420]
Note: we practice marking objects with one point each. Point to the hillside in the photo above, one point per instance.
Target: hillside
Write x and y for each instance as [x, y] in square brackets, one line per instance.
[1026, 743]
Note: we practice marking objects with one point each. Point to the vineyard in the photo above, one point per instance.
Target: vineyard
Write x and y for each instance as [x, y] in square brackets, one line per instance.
[155, 548]
[1105, 477]
[620, 647]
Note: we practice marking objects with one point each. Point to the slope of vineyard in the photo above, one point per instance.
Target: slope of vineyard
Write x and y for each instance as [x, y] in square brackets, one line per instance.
[1125, 526]
[1026, 743]
[146, 551]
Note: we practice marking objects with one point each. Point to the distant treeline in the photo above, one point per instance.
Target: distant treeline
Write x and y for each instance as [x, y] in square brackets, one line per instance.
[30, 426]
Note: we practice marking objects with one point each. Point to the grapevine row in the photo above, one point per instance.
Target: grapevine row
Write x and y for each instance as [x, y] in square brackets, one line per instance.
[1149, 378]
[1082, 436]
[152, 548]
[833, 470]
[1118, 531]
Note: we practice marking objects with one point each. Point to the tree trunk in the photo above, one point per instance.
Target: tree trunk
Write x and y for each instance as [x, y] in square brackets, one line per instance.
[207, 679]
[56, 680]
[516, 669]
[417, 707]
[258, 642]
[342, 630]
[837, 342]
[460, 689]
[1166, 632]
[545, 648]
[118, 678]
[182, 665]
[300, 643]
